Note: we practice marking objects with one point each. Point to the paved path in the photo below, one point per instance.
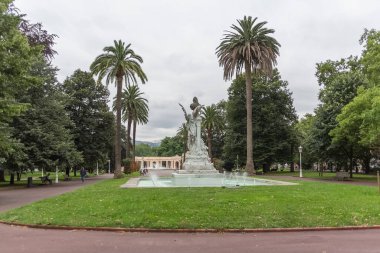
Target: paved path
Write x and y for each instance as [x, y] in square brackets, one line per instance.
[16, 197]
[19, 239]
[14, 239]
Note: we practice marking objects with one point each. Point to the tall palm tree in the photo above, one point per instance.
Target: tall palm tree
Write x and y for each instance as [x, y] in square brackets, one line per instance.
[135, 111]
[118, 63]
[248, 46]
[182, 133]
[211, 120]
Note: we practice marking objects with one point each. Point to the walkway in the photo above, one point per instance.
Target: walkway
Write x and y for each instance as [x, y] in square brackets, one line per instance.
[19, 239]
[16, 197]
[15, 239]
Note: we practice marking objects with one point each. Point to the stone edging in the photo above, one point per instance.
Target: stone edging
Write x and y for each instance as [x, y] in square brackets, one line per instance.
[185, 230]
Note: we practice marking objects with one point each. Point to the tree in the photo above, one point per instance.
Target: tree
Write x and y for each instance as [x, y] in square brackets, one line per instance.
[93, 126]
[44, 129]
[248, 46]
[358, 124]
[340, 81]
[273, 125]
[135, 111]
[17, 58]
[170, 146]
[371, 55]
[118, 62]
[211, 121]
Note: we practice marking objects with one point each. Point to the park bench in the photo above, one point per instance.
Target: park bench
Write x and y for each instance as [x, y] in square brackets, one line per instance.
[46, 179]
[342, 175]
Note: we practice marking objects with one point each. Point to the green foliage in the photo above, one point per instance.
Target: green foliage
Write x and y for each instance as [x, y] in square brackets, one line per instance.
[306, 139]
[371, 55]
[44, 129]
[340, 81]
[17, 58]
[145, 150]
[212, 122]
[273, 116]
[359, 120]
[170, 146]
[248, 43]
[93, 123]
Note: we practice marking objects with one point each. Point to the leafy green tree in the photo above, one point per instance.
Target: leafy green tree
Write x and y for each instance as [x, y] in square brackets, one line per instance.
[340, 81]
[275, 116]
[170, 146]
[248, 47]
[44, 129]
[93, 126]
[306, 139]
[17, 58]
[143, 149]
[118, 62]
[371, 55]
[358, 124]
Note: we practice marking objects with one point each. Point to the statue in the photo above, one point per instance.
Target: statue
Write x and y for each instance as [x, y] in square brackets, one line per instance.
[197, 159]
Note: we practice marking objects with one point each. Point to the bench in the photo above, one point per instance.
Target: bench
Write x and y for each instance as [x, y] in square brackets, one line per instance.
[46, 179]
[342, 175]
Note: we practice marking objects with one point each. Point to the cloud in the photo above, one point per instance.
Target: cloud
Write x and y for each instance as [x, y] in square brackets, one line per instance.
[177, 40]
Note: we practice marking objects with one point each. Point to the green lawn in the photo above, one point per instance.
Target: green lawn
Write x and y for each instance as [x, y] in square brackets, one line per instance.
[305, 205]
[326, 175]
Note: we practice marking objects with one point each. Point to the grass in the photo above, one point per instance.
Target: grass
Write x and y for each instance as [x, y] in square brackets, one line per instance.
[326, 175]
[308, 204]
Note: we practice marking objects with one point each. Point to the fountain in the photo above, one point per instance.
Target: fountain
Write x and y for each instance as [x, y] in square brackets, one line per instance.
[198, 171]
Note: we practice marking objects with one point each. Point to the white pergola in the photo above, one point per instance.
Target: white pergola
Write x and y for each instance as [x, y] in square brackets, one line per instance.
[156, 162]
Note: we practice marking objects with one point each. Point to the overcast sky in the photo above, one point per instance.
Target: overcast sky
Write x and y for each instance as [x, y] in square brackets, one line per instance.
[177, 40]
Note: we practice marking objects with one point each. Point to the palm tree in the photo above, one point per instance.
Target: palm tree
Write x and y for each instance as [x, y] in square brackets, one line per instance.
[118, 63]
[249, 46]
[135, 111]
[211, 120]
[182, 133]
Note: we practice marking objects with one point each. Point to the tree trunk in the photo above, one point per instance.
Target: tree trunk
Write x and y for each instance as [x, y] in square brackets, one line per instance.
[129, 125]
[351, 162]
[12, 180]
[68, 171]
[248, 88]
[292, 157]
[2, 175]
[18, 176]
[117, 170]
[209, 145]
[134, 141]
[75, 170]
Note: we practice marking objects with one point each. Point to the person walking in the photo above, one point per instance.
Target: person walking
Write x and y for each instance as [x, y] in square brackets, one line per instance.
[82, 174]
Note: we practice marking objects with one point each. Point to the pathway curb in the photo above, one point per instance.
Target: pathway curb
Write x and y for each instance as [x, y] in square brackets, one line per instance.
[184, 230]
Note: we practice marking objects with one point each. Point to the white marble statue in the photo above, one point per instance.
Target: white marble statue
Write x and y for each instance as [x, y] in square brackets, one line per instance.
[197, 159]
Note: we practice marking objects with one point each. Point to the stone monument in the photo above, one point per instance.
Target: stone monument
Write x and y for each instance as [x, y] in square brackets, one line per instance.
[197, 160]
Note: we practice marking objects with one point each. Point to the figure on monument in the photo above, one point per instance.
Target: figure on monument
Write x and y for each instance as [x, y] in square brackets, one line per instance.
[197, 159]
[193, 122]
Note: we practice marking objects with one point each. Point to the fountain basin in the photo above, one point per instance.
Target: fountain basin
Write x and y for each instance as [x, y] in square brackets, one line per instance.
[199, 180]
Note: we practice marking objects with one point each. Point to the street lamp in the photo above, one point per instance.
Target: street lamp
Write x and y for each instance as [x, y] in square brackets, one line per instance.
[300, 150]
[109, 166]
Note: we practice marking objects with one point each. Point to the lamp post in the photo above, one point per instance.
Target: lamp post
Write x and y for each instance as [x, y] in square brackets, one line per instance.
[300, 150]
[109, 166]
[97, 168]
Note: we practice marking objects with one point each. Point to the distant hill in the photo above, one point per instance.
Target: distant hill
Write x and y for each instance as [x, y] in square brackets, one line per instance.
[152, 144]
